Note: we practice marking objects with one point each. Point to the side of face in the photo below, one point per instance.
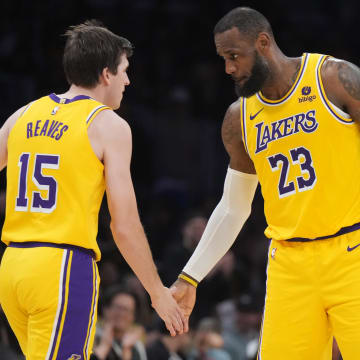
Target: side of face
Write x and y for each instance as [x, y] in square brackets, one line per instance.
[117, 83]
[243, 62]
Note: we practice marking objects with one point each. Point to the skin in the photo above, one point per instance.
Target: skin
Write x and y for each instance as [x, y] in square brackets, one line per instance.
[110, 137]
[341, 81]
[119, 324]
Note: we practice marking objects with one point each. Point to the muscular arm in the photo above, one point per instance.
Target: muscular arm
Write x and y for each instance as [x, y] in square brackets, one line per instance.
[234, 207]
[114, 146]
[227, 218]
[4, 134]
[231, 136]
[341, 80]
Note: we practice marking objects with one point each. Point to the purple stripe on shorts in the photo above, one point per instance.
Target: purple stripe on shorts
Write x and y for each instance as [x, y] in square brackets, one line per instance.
[62, 305]
[92, 311]
[77, 318]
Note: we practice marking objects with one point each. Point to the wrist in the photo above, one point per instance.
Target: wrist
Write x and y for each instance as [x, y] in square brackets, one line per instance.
[188, 279]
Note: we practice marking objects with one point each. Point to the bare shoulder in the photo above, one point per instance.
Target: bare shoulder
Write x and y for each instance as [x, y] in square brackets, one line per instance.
[10, 122]
[341, 81]
[109, 134]
[232, 139]
[109, 124]
[231, 126]
[4, 135]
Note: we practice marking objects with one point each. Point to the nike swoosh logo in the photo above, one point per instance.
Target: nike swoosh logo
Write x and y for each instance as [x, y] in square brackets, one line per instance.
[352, 248]
[252, 117]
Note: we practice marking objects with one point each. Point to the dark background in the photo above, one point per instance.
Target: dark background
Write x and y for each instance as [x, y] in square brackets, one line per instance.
[177, 97]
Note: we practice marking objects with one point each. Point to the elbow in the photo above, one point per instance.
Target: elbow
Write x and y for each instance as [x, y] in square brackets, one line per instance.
[119, 232]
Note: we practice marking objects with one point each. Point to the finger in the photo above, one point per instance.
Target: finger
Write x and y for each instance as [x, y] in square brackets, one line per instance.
[180, 323]
[182, 319]
[173, 290]
[186, 324]
[176, 321]
[170, 327]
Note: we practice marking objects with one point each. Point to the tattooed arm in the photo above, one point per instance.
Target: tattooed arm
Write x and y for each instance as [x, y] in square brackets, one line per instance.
[341, 81]
[231, 136]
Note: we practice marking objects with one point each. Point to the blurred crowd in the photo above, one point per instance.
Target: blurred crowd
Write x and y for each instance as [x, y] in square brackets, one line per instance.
[175, 104]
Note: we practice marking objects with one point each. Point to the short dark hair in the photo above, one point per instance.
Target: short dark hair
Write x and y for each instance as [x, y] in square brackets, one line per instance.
[90, 48]
[248, 21]
[115, 290]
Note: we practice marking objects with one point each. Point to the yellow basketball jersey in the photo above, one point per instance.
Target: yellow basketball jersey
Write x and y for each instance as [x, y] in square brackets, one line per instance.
[307, 156]
[55, 182]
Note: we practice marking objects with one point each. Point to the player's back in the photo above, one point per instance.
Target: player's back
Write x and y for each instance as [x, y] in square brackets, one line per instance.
[55, 182]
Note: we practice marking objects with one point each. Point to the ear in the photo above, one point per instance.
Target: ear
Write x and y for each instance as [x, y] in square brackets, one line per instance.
[104, 77]
[263, 43]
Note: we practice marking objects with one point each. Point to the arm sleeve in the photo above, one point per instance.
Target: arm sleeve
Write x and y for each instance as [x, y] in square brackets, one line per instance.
[224, 224]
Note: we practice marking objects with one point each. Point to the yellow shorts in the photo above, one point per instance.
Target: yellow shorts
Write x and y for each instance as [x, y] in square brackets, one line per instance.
[49, 296]
[312, 294]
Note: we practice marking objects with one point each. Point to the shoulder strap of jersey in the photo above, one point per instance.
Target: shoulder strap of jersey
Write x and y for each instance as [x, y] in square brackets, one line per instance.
[94, 112]
[335, 113]
[243, 122]
[26, 108]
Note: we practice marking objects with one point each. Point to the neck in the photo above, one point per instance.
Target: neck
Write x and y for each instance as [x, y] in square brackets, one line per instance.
[96, 93]
[283, 73]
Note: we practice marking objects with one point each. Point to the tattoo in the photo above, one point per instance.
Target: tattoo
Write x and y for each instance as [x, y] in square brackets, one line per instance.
[349, 76]
[231, 127]
[298, 66]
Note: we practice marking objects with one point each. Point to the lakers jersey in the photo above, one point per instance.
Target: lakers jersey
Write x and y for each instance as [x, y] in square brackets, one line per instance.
[55, 182]
[307, 156]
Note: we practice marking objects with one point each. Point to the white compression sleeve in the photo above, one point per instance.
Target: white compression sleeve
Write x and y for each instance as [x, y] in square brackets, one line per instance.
[224, 224]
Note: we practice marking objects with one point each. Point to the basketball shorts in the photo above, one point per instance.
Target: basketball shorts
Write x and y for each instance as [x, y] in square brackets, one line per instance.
[49, 296]
[312, 294]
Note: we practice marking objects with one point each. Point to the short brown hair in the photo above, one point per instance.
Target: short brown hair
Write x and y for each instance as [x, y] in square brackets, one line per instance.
[90, 48]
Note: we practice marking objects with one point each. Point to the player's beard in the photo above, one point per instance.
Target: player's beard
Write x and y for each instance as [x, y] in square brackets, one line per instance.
[259, 73]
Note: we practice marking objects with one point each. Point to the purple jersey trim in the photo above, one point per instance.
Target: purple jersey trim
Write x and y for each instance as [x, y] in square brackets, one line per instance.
[94, 111]
[321, 61]
[68, 101]
[244, 124]
[281, 101]
[342, 231]
[31, 244]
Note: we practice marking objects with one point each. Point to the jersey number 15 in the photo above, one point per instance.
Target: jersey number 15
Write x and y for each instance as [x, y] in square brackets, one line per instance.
[42, 182]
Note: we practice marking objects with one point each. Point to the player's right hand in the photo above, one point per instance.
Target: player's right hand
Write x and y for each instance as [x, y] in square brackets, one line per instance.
[169, 311]
[185, 295]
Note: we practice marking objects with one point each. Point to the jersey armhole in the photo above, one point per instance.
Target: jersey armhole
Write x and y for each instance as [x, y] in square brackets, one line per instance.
[26, 108]
[94, 112]
[243, 123]
[332, 109]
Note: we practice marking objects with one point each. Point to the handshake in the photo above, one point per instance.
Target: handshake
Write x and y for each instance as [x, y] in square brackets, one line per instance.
[175, 304]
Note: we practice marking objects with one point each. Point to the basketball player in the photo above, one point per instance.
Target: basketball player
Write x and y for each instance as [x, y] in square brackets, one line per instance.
[295, 129]
[61, 153]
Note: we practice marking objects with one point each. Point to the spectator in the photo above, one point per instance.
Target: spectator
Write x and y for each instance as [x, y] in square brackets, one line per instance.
[241, 337]
[208, 342]
[118, 337]
[165, 347]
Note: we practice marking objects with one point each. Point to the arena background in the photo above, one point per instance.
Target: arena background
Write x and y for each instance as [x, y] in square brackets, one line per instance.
[175, 104]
